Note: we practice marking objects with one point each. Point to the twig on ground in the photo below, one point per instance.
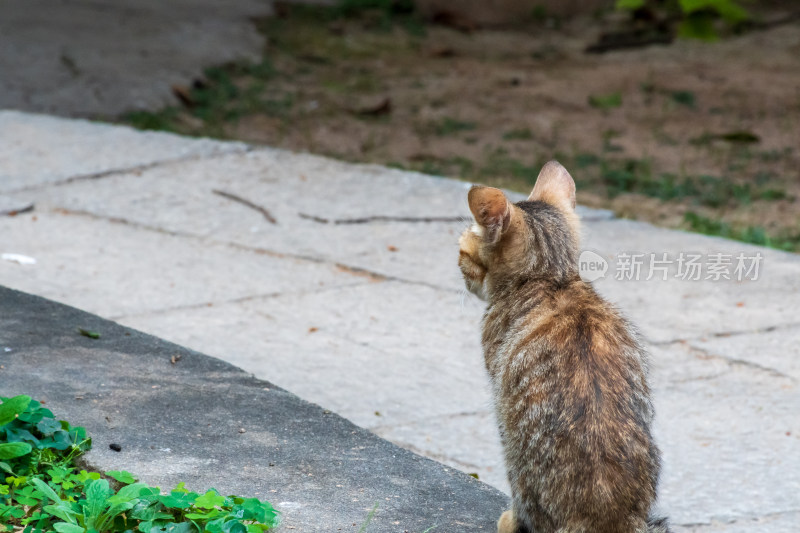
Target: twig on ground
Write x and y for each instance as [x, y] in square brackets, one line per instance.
[247, 203]
[378, 218]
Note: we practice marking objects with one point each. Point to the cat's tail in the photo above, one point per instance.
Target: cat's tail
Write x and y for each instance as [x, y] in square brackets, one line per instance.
[657, 525]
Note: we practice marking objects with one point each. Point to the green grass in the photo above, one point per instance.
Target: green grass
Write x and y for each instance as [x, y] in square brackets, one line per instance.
[42, 489]
[499, 163]
[750, 234]
[606, 101]
[163, 120]
[685, 98]
[450, 126]
[375, 15]
[636, 176]
[735, 137]
[223, 96]
[521, 134]
[436, 166]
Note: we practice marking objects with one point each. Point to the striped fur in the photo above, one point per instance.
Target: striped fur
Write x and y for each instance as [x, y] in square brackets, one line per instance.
[568, 374]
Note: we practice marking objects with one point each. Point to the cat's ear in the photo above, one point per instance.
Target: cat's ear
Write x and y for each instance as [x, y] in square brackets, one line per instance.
[555, 186]
[491, 210]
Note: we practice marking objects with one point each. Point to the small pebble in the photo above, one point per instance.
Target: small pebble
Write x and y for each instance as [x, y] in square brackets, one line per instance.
[116, 447]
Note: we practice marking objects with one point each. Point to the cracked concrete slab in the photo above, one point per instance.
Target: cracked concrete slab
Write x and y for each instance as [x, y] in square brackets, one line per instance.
[335, 347]
[37, 150]
[782, 522]
[775, 352]
[114, 270]
[291, 187]
[741, 421]
[672, 309]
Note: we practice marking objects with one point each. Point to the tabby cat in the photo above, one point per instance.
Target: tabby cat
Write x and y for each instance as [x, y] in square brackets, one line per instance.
[568, 375]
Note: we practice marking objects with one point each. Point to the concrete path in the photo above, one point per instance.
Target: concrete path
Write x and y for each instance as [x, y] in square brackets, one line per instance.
[352, 300]
[180, 416]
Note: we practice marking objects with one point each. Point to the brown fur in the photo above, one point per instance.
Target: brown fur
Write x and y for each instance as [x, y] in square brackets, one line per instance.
[568, 374]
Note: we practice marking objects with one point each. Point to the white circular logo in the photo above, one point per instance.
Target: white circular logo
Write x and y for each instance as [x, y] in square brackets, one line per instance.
[592, 266]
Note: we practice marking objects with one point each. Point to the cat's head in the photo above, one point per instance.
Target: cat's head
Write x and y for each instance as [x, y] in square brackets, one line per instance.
[511, 243]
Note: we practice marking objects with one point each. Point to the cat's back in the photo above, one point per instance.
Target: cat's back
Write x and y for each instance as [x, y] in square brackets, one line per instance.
[572, 399]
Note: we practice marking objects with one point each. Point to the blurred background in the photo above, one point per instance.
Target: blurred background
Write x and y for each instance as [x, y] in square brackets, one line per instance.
[684, 113]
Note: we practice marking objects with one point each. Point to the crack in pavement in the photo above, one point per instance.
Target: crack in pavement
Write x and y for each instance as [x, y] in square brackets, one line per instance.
[732, 362]
[241, 299]
[343, 267]
[135, 169]
[719, 521]
[445, 416]
[725, 334]
[381, 218]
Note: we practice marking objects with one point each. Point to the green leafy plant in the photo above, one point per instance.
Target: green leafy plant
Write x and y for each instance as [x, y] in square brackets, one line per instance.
[44, 491]
[450, 126]
[697, 19]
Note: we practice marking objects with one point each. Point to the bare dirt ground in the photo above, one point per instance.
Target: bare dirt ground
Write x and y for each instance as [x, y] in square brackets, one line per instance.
[694, 135]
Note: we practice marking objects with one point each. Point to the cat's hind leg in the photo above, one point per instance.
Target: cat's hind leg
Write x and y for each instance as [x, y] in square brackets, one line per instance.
[508, 523]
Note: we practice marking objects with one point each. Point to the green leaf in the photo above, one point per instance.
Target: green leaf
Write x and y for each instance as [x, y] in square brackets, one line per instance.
[88, 333]
[20, 435]
[45, 489]
[5, 468]
[48, 425]
[209, 500]
[59, 440]
[128, 493]
[207, 515]
[698, 26]
[727, 9]
[97, 492]
[13, 512]
[234, 526]
[122, 476]
[178, 500]
[25, 500]
[215, 526]
[257, 510]
[10, 450]
[105, 519]
[183, 527]
[83, 476]
[12, 407]
[633, 5]
[62, 512]
[58, 473]
[68, 528]
[150, 494]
